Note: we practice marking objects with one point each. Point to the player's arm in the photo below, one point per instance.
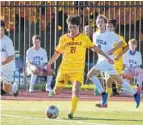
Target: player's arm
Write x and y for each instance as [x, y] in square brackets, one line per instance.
[10, 52]
[125, 49]
[30, 63]
[119, 45]
[54, 58]
[98, 50]
[9, 59]
[29, 59]
[115, 39]
[59, 49]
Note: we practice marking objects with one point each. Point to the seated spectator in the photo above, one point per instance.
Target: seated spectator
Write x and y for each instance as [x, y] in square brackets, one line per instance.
[36, 59]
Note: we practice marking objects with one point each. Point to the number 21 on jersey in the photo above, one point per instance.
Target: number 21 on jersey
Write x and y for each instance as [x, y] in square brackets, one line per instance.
[73, 49]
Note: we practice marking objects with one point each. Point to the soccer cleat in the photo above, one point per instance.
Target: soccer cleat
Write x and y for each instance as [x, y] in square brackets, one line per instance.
[70, 116]
[31, 90]
[51, 93]
[101, 106]
[137, 99]
[16, 94]
[104, 98]
[48, 89]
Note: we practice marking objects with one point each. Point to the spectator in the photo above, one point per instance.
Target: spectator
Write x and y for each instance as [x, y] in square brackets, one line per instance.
[36, 59]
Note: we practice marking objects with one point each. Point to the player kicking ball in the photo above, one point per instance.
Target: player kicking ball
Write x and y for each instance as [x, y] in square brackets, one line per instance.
[7, 63]
[73, 48]
[105, 40]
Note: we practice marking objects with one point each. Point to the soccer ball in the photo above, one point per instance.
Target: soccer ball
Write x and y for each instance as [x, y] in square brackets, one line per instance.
[52, 112]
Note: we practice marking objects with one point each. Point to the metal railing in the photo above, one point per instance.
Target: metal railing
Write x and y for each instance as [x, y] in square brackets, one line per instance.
[48, 19]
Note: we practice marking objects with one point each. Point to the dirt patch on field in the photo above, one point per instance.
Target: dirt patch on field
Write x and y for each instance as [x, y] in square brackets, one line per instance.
[39, 95]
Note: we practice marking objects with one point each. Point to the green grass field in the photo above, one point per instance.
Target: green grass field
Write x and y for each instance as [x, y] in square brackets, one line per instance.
[33, 113]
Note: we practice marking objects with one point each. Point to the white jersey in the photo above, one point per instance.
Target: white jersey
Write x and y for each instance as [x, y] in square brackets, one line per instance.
[6, 50]
[37, 57]
[105, 41]
[132, 60]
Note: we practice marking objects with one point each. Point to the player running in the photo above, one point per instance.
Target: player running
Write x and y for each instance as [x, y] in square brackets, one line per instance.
[105, 40]
[73, 47]
[118, 55]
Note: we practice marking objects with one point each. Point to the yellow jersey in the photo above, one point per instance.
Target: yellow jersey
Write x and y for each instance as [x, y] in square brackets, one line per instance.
[74, 50]
[118, 64]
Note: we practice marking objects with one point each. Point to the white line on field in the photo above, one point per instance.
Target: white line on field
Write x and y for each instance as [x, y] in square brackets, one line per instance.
[80, 109]
[54, 120]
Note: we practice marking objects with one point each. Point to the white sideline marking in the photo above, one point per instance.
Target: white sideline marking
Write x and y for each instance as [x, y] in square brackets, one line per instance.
[54, 120]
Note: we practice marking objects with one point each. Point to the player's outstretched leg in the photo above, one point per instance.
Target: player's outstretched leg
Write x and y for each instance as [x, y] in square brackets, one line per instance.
[135, 94]
[125, 84]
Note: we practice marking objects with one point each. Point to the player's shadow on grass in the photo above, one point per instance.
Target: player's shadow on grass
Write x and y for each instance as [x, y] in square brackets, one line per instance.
[105, 119]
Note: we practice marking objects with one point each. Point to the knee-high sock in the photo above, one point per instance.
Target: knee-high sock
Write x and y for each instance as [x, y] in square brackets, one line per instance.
[109, 84]
[128, 88]
[109, 91]
[33, 80]
[49, 81]
[97, 83]
[74, 103]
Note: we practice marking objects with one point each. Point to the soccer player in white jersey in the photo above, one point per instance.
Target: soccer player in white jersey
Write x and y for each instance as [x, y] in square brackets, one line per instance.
[36, 59]
[132, 63]
[7, 63]
[105, 41]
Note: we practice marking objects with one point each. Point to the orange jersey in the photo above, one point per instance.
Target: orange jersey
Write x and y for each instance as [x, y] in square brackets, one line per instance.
[74, 50]
[118, 64]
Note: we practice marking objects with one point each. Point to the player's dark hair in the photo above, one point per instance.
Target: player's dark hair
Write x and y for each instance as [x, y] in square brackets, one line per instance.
[113, 21]
[2, 24]
[74, 20]
[103, 17]
[36, 37]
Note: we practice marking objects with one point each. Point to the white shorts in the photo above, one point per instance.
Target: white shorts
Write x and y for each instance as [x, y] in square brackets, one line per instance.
[7, 75]
[106, 67]
[7, 72]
